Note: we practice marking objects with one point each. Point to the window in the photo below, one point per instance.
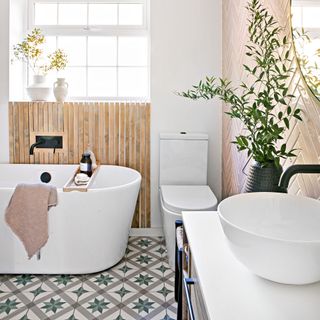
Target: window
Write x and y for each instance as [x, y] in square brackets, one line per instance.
[106, 42]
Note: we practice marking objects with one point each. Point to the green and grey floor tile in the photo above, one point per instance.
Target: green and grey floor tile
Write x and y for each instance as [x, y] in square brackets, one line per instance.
[139, 287]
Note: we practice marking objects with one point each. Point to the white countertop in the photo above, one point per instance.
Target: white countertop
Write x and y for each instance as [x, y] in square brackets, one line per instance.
[230, 291]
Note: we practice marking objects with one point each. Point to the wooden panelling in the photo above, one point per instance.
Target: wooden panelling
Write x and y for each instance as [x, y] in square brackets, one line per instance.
[118, 133]
[304, 136]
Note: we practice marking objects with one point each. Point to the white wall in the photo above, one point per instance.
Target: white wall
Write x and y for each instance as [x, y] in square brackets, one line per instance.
[12, 29]
[18, 30]
[185, 47]
[4, 80]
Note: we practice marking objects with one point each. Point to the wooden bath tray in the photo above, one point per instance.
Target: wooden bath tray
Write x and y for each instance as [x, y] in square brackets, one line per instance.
[71, 186]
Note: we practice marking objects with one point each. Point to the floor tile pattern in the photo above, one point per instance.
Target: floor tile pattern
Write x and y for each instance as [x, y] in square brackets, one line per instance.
[138, 287]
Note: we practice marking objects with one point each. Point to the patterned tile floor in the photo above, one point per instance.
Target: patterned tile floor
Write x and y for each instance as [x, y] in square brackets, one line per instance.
[139, 287]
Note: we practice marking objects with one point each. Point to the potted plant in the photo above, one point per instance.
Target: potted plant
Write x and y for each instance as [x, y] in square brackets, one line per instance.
[31, 51]
[261, 102]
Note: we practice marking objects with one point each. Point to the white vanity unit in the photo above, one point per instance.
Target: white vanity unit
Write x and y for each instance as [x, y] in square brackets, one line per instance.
[224, 289]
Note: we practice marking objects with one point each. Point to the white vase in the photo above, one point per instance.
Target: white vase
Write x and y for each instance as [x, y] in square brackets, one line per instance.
[39, 90]
[60, 89]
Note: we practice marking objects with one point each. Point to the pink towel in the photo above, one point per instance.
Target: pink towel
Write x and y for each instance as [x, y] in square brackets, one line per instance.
[27, 214]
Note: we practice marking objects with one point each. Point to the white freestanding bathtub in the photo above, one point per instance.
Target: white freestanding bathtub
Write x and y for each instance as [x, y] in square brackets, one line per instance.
[88, 231]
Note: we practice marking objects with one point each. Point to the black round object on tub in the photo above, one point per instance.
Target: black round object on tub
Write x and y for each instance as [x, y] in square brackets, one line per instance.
[45, 177]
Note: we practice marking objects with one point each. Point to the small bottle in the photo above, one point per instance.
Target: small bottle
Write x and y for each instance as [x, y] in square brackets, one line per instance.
[92, 157]
[86, 164]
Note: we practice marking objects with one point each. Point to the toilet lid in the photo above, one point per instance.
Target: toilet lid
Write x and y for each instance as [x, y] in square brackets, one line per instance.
[188, 198]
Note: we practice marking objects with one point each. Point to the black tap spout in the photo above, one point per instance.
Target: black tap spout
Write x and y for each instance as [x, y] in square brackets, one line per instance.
[38, 143]
[295, 169]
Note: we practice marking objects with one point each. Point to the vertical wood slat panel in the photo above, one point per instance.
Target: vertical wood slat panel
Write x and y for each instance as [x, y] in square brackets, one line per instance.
[122, 144]
[107, 132]
[127, 134]
[118, 133]
[148, 165]
[76, 134]
[71, 133]
[26, 132]
[81, 130]
[86, 126]
[45, 117]
[97, 136]
[102, 135]
[66, 131]
[142, 160]
[138, 127]
[21, 135]
[110, 141]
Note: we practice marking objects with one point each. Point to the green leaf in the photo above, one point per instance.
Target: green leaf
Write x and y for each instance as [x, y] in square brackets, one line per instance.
[286, 122]
[287, 55]
[277, 162]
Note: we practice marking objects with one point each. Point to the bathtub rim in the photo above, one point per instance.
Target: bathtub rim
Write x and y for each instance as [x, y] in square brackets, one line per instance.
[90, 190]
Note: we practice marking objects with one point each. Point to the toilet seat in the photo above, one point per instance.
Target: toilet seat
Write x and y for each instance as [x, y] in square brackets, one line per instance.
[178, 198]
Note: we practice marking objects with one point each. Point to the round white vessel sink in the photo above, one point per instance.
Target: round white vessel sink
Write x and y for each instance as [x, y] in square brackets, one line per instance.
[275, 235]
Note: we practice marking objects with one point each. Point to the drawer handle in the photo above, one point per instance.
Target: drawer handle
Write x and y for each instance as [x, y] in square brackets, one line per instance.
[186, 283]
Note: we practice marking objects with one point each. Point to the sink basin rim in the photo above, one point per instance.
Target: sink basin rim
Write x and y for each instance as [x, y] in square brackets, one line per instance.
[278, 195]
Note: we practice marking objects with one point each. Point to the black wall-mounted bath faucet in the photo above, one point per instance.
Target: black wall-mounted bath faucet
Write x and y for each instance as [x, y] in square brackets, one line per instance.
[38, 143]
[47, 142]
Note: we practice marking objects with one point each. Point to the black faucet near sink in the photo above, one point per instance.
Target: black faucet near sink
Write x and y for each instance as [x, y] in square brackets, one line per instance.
[295, 169]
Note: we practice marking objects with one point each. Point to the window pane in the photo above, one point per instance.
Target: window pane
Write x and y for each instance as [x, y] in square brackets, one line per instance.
[296, 17]
[45, 14]
[103, 14]
[133, 82]
[75, 48]
[102, 51]
[102, 82]
[76, 78]
[50, 45]
[131, 14]
[311, 17]
[133, 51]
[73, 14]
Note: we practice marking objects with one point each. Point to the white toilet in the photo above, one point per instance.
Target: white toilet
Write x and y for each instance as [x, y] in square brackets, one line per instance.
[183, 181]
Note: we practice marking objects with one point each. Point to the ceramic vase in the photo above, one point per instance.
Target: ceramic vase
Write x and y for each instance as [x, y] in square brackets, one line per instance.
[263, 179]
[60, 89]
[39, 90]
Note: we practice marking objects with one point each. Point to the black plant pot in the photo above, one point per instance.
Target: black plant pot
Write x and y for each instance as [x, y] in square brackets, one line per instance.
[263, 179]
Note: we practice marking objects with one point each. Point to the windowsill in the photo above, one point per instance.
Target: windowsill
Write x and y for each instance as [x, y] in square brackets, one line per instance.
[98, 100]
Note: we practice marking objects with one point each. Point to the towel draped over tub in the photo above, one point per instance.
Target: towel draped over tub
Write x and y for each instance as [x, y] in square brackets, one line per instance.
[27, 214]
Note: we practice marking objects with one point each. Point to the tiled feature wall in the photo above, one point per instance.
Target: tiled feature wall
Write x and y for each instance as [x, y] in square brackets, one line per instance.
[118, 134]
[303, 136]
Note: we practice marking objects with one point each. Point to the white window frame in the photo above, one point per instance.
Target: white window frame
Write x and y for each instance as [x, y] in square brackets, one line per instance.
[97, 30]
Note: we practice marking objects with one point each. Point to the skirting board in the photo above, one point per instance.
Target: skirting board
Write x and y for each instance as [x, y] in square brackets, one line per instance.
[146, 232]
